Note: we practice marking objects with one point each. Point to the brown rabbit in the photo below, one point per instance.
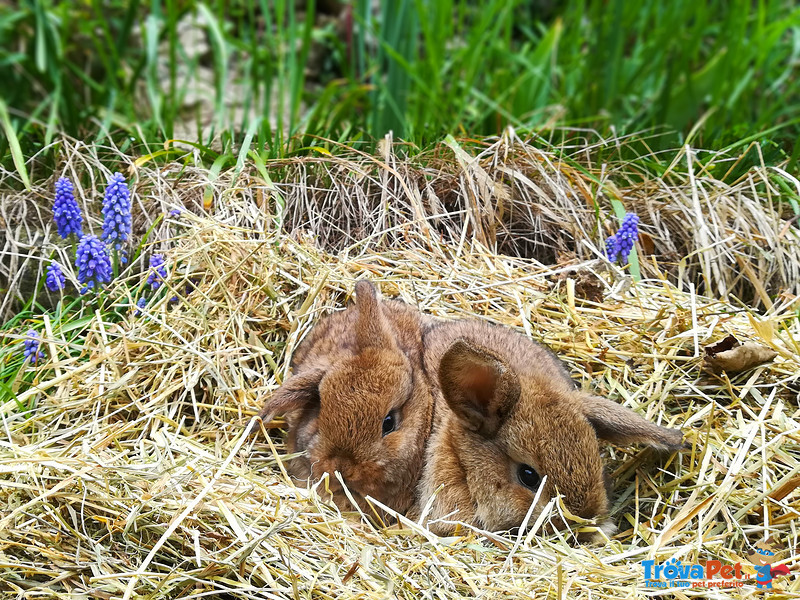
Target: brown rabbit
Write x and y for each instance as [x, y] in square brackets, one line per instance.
[357, 402]
[511, 416]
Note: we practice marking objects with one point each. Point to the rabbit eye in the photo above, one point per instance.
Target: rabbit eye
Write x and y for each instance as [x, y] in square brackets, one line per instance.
[528, 476]
[389, 423]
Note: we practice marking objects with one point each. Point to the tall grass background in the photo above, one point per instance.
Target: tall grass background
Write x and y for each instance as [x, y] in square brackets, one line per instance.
[719, 74]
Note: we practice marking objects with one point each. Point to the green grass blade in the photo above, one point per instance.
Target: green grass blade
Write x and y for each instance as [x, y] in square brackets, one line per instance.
[13, 144]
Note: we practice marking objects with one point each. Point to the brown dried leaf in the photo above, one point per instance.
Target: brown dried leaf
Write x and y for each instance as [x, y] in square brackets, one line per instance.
[732, 356]
[647, 244]
[724, 344]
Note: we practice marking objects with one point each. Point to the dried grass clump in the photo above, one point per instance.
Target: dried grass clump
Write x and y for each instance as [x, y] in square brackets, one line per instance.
[731, 240]
[133, 474]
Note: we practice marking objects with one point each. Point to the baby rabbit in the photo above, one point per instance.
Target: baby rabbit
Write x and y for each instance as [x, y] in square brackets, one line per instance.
[357, 402]
[511, 416]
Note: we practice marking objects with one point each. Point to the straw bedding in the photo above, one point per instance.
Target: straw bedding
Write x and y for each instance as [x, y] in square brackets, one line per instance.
[132, 474]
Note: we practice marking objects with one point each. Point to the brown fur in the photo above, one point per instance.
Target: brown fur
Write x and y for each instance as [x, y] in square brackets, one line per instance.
[351, 371]
[503, 400]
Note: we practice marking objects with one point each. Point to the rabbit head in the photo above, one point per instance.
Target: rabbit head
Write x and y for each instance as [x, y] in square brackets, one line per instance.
[356, 405]
[514, 417]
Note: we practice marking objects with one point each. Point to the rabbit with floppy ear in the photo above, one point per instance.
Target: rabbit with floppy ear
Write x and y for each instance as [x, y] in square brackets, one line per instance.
[508, 414]
[357, 403]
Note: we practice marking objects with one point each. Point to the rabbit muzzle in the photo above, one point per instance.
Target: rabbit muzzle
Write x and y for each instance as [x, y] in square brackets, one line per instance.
[361, 478]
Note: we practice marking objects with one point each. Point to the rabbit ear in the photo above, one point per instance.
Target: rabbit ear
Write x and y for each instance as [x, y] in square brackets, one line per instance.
[372, 331]
[617, 424]
[296, 392]
[479, 387]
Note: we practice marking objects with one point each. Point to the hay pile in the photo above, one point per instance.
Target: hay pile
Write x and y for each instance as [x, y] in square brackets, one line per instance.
[132, 475]
[730, 237]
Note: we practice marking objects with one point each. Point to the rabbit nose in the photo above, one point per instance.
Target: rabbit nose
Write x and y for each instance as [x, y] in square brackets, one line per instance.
[348, 473]
[343, 465]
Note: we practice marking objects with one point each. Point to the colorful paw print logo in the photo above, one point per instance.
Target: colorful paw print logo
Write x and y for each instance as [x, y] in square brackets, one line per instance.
[672, 568]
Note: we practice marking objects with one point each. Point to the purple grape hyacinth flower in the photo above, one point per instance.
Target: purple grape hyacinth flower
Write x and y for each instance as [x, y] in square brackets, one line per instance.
[621, 244]
[116, 212]
[158, 271]
[627, 235]
[55, 279]
[66, 212]
[612, 248]
[32, 345]
[140, 304]
[93, 262]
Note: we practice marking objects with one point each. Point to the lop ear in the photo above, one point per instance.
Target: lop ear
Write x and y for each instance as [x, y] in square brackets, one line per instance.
[296, 392]
[619, 425]
[372, 330]
[480, 388]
